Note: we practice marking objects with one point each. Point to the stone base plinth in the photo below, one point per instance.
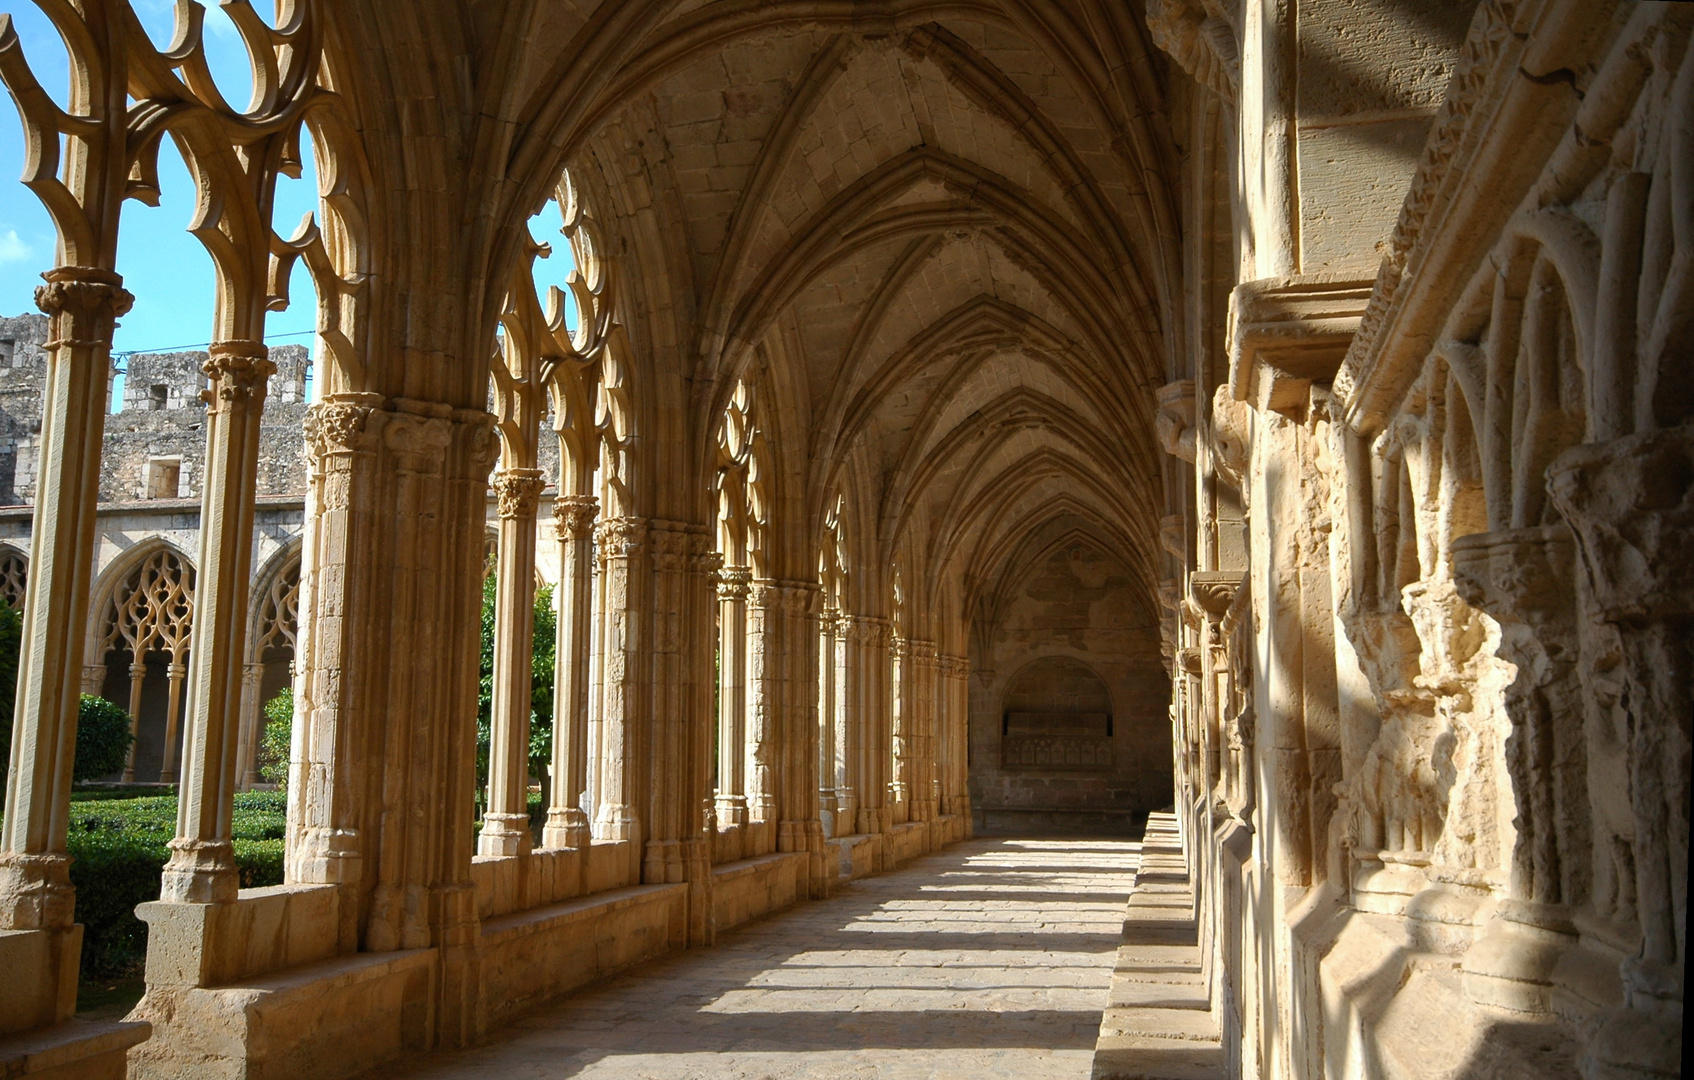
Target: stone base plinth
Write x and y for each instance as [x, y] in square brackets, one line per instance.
[73, 1050]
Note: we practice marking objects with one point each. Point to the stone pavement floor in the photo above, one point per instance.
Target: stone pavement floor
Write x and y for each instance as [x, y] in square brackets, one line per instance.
[989, 959]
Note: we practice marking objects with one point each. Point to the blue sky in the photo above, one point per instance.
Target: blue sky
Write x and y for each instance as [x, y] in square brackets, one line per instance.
[167, 269]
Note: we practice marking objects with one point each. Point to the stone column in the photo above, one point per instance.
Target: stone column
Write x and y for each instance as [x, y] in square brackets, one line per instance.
[93, 679]
[701, 626]
[382, 779]
[505, 822]
[790, 699]
[252, 725]
[954, 697]
[918, 693]
[35, 890]
[622, 681]
[201, 869]
[137, 676]
[670, 803]
[732, 587]
[175, 673]
[844, 724]
[567, 824]
[875, 695]
[765, 670]
[1630, 503]
[828, 691]
[902, 736]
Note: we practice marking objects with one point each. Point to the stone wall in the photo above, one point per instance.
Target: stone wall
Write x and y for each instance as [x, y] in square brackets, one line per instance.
[1073, 651]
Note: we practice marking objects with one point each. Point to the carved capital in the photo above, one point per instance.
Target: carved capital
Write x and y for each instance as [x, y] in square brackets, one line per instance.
[620, 538]
[1289, 332]
[670, 544]
[733, 582]
[83, 292]
[239, 372]
[873, 631]
[1174, 421]
[794, 598]
[419, 441]
[953, 667]
[338, 428]
[1213, 591]
[704, 560]
[573, 516]
[518, 491]
[1521, 575]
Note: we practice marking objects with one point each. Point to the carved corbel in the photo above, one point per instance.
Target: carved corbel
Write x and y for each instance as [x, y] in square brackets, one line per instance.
[1174, 421]
[1286, 333]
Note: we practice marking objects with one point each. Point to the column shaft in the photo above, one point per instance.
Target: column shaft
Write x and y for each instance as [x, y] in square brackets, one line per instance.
[35, 889]
[202, 863]
[505, 822]
[567, 824]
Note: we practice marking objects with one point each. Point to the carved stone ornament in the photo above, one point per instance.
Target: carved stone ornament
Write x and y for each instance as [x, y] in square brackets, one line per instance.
[1213, 591]
[337, 428]
[620, 538]
[733, 582]
[573, 516]
[83, 293]
[518, 491]
[238, 372]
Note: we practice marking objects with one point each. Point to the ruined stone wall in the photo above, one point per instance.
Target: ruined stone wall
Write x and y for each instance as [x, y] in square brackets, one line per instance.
[22, 371]
[1074, 651]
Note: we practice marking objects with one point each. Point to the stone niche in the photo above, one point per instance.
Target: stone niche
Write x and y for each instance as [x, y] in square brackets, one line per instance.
[1057, 718]
[1068, 698]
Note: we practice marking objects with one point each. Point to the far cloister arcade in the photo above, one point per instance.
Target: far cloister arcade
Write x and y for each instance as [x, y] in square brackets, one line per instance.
[970, 416]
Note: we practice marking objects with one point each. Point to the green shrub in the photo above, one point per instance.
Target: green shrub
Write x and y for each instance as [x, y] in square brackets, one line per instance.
[120, 847]
[102, 728]
[546, 630]
[11, 643]
[102, 738]
[277, 742]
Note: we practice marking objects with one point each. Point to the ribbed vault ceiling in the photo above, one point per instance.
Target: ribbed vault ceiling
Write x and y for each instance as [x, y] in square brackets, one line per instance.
[940, 235]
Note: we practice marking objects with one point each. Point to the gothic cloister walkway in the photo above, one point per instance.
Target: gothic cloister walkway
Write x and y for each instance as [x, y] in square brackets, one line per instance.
[990, 959]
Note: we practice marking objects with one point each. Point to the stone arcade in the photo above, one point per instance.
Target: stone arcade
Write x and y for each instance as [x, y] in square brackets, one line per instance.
[953, 401]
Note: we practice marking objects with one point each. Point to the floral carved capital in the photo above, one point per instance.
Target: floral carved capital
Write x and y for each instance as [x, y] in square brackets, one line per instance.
[573, 516]
[90, 294]
[517, 492]
[336, 428]
[239, 372]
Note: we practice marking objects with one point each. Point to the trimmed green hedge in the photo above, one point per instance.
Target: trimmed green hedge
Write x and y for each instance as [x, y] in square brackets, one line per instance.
[120, 849]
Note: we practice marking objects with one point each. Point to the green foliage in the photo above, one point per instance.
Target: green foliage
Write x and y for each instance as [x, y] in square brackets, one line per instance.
[546, 627]
[11, 643]
[120, 849]
[276, 743]
[102, 732]
[102, 738]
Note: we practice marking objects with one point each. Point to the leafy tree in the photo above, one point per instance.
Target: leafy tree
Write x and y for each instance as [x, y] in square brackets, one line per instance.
[540, 691]
[277, 741]
[102, 728]
[102, 738]
[11, 642]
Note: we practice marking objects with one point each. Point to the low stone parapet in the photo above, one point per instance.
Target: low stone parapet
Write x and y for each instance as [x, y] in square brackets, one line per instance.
[73, 1050]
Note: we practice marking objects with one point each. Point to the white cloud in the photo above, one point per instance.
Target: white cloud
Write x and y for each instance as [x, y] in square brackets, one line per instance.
[13, 248]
